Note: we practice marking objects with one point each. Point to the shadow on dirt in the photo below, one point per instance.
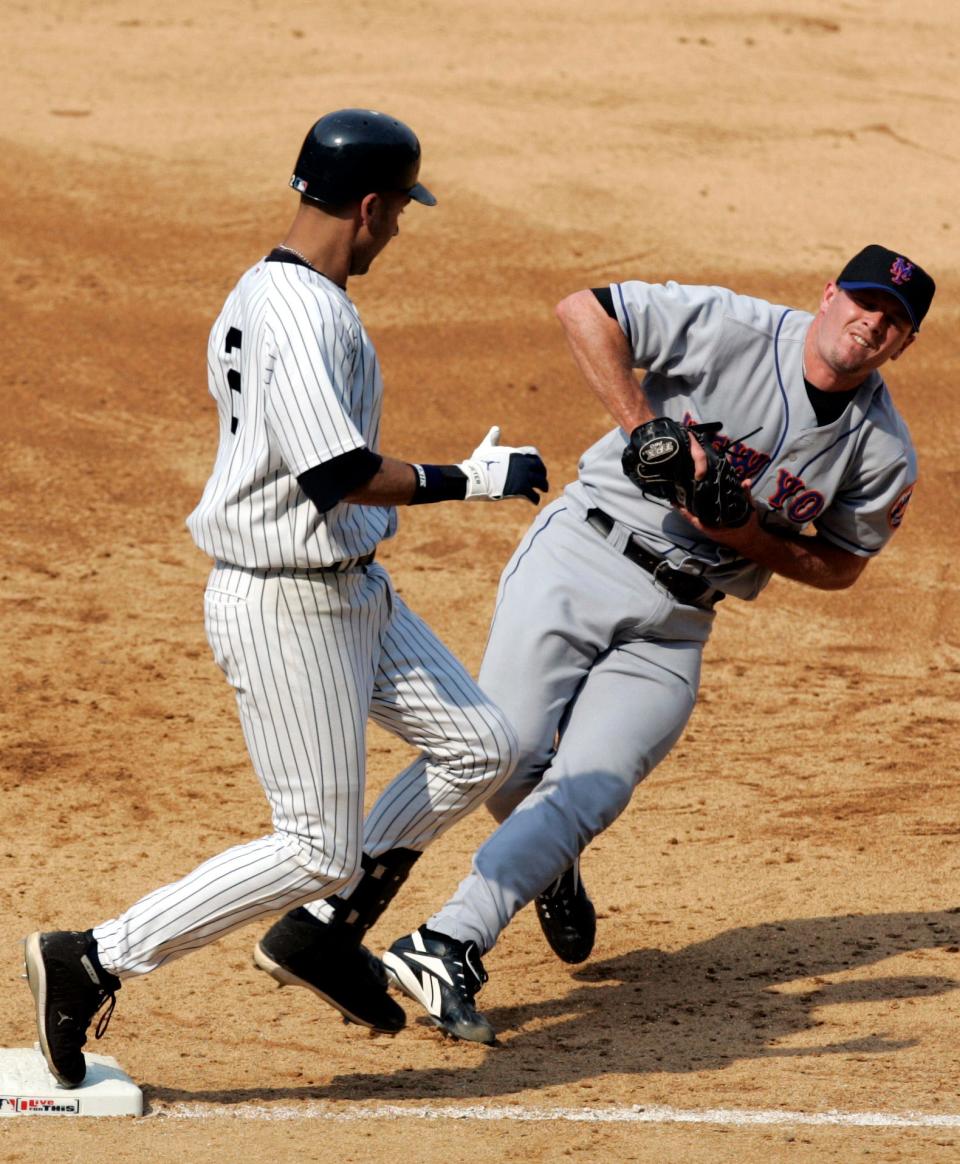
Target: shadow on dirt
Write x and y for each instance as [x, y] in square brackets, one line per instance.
[700, 1008]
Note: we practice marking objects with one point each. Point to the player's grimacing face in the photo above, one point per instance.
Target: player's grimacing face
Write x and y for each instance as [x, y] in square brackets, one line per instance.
[860, 330]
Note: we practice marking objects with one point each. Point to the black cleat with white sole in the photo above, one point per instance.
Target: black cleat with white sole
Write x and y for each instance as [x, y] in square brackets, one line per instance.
[299, 950]
[444, 976]
[69, 987]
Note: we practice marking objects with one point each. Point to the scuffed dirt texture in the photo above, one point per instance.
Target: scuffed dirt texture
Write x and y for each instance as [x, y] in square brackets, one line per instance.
[778, 925]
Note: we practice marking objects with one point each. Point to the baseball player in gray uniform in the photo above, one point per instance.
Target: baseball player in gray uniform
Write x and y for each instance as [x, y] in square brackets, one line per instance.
[306, 625]
[604, 610]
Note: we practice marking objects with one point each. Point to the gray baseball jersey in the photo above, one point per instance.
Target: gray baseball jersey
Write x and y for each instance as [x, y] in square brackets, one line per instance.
[596, 663]
[711, 355]
[313, 641]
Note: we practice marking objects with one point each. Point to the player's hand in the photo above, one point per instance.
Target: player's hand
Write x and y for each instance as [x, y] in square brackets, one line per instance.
[738, 538]
[495, 471]
[699, 459]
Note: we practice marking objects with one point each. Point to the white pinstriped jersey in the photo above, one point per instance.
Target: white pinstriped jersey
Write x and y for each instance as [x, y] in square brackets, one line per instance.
[712, 355]
[312, 655]
[297, 382]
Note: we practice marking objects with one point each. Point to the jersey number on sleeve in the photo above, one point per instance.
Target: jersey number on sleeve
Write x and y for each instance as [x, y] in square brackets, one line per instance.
[234, 340]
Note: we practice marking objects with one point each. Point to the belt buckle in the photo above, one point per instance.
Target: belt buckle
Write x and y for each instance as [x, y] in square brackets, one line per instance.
[663, 564]
[686, 587]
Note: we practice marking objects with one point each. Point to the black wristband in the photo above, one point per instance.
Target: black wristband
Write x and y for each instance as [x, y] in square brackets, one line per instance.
[438, 483]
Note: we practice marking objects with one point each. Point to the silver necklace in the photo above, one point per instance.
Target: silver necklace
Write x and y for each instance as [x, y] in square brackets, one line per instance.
[290, 250]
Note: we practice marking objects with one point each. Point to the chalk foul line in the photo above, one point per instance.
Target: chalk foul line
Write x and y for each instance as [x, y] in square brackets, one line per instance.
[636, 1114]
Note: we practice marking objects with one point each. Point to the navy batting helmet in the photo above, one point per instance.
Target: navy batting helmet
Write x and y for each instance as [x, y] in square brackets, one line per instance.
[355, 152]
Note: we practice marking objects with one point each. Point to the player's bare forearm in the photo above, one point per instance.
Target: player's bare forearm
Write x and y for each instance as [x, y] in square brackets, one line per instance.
[492, 472]
[812, 561]
[394, 483]
[602, 353]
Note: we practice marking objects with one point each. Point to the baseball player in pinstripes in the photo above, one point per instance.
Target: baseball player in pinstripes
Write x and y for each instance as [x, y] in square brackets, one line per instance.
[306, 625]
[603, 612]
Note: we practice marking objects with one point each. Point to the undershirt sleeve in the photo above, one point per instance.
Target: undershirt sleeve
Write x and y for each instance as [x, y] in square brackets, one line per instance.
[328, 483]
[605, 297]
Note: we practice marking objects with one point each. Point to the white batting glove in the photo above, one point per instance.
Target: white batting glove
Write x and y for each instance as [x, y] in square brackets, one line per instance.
[495, 471]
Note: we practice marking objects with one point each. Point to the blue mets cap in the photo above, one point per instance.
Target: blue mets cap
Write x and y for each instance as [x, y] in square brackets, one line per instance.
[885, 270]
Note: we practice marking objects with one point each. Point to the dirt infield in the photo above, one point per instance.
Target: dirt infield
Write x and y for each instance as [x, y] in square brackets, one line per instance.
[779, 924]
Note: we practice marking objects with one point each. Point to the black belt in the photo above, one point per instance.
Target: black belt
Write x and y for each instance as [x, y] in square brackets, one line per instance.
[350, 563]
[301, 571]
[333, 568]
[688, 588]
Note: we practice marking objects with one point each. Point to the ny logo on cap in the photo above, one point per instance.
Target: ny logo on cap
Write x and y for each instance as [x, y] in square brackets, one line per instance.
[901, 271]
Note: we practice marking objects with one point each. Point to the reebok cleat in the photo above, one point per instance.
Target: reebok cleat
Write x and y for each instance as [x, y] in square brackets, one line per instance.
[444, 976]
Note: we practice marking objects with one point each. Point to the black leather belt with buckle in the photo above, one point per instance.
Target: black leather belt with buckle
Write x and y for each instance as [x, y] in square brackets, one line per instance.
[688, 588]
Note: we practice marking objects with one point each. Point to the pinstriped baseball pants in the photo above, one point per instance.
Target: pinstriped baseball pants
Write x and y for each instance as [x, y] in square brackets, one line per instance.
[311, 657]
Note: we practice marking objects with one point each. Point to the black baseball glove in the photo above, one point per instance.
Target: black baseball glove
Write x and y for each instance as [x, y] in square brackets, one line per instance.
[659, 462]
